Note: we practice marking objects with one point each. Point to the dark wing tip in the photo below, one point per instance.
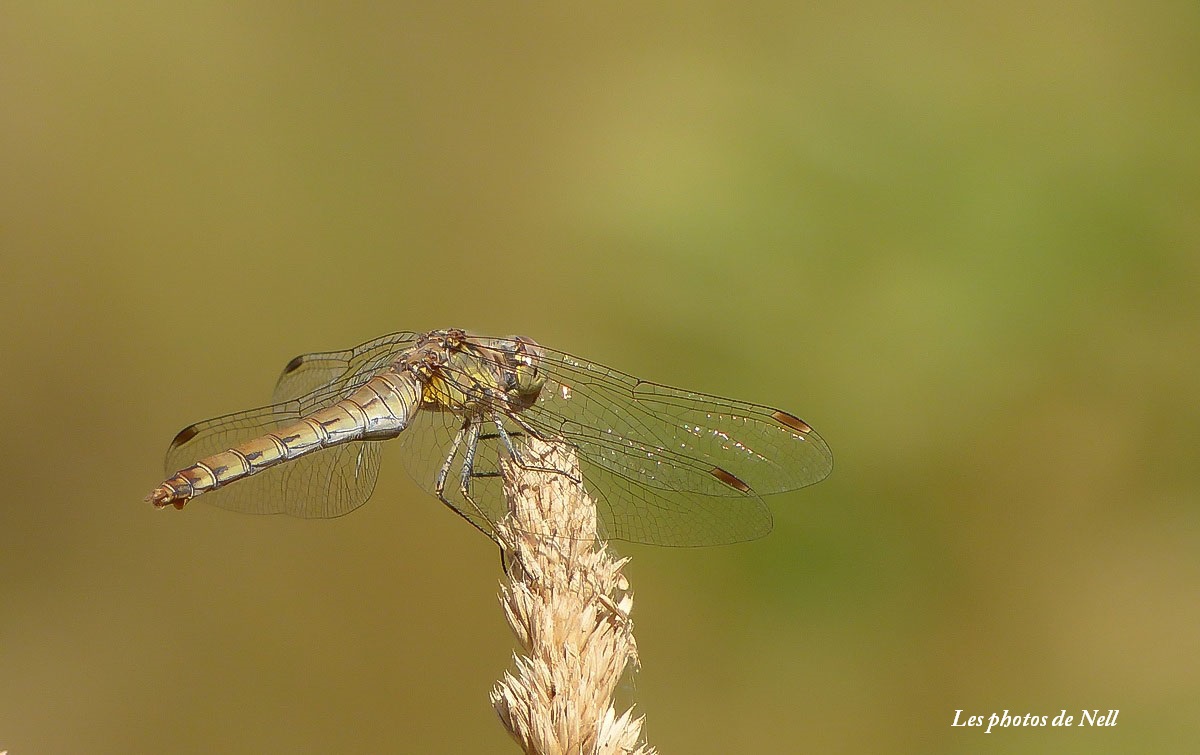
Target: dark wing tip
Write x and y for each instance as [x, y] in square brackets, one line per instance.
[792, 421]
[186, 434]
[294, 365]
[730, 479]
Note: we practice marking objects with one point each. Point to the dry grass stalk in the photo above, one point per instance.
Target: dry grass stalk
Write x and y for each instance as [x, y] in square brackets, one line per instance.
[568, 605]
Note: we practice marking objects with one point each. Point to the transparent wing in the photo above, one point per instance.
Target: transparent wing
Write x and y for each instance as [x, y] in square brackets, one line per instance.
[669, 466]
[624, 512]
[325, 483]
[307, 373]
[425, 445]
[322, 484]
[673, 439]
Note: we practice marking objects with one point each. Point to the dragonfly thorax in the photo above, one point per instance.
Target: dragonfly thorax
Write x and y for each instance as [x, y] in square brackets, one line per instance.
[523, 374]
[475, 376]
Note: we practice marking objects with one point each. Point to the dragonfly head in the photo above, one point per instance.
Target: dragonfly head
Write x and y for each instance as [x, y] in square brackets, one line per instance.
[523, 376]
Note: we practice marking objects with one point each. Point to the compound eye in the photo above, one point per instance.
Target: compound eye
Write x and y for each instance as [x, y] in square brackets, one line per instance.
[528, 352]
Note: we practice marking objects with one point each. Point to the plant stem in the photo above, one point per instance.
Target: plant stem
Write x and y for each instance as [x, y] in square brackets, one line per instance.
[568, 605]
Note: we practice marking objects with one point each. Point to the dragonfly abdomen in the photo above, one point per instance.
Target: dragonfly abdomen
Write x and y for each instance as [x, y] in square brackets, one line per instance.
[380, 409]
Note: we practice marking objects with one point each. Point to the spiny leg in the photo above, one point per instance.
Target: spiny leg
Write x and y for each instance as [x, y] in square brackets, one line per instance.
[439, 487]
[507, 441]
[505, 436]
[472, 433]
[528, 430]
[471, 430]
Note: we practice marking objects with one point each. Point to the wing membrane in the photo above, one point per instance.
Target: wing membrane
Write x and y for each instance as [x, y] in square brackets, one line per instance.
[326, 483]
[672, 439]
[425, 445]
[668, 466]
[626, 510]
[337, 370]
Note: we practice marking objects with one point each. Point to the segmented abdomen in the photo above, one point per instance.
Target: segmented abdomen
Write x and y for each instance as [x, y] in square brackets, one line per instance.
[380, 409]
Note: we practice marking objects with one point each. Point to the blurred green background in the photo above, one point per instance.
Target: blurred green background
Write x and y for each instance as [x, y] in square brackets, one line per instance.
[963, 242]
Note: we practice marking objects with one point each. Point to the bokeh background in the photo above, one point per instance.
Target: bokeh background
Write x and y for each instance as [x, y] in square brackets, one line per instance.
[962, 241]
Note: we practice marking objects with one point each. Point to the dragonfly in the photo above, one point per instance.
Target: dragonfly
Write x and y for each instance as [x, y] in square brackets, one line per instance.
[666, 466]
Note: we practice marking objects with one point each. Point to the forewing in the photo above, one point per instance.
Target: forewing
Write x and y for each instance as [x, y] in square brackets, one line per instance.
[669, 466]
[671, 439]
[338, 370]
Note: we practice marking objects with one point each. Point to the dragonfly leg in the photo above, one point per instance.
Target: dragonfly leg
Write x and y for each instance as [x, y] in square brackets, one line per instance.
[471, 432]
[439, 487]
[507, 441]
[514, 453]
[509, 445]
[526, 429]
[476, 473]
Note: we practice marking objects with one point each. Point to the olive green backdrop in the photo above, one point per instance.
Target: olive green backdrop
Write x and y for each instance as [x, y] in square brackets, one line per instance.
[963, 242]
